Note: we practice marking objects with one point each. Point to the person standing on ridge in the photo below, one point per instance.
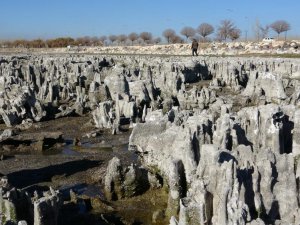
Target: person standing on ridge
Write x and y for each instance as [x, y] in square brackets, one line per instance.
[194, 47]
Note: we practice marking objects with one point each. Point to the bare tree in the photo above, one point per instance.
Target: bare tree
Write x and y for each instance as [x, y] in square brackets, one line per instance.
[225, 28]
[94, 41]
[133, 37]
[140, 41]
[112, 38]
[205, 29]
[6, 44]
[197, 37]
[188, 32]
[280, 26]
[264, 30]
[63, 42]
[146, 36]
[176, 39]
[260, 31]
[235, 34]
[38, 43]
[122, 38]
[84, 41]
[168, 34]
[257, 30]
[157, 40]
[103, 38]
[21, 43]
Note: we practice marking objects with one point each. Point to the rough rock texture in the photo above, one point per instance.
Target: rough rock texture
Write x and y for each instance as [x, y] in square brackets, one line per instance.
[233, 159]
[211, 48]
[46, 209]
[18, 205]
[246, 168]
[32, 142]
[222, 132]
[123, 182]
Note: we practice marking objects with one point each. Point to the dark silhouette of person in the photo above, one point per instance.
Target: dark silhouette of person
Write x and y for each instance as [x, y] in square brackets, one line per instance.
[194, 47]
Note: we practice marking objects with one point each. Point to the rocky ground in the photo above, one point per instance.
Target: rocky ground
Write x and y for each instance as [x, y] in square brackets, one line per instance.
[81, 168]
[136, 139]
[288, 48]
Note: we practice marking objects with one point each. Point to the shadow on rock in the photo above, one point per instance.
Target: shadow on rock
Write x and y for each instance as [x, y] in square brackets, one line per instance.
[24, 178]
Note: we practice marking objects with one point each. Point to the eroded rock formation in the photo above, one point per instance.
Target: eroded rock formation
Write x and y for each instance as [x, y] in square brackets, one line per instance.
[18, 206]
[222, 132]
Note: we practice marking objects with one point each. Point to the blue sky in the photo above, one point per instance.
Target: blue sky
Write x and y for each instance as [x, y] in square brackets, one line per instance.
[52, 18]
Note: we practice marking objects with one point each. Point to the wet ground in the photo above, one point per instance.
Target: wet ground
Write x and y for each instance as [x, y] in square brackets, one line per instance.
[79, 163]
[70, 159]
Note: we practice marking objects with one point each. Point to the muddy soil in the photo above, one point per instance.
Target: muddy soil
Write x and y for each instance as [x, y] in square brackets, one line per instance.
[80, 164]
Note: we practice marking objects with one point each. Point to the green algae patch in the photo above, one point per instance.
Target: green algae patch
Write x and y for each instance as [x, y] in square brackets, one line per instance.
[148, 208]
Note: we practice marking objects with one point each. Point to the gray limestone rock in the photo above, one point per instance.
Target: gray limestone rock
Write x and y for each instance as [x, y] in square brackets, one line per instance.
[46, 209]
[124, 182]
[15, 205]
[113, 179]
[223, 133]
[235, 169]
[265, 84]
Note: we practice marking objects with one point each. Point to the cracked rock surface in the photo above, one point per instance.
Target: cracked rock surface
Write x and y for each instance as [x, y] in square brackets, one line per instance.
[223, 133]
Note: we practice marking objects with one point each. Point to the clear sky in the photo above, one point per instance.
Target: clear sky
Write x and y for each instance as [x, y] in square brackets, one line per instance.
[53, 18]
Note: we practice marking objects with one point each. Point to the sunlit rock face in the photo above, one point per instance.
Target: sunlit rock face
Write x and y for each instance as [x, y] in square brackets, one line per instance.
[222, 132]
[20, 207]
[238, 152]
